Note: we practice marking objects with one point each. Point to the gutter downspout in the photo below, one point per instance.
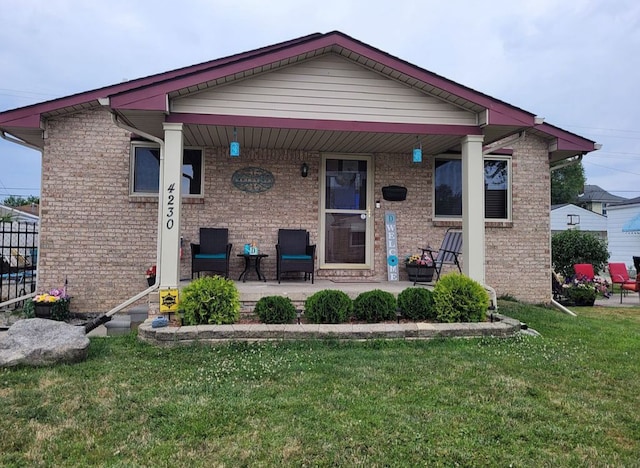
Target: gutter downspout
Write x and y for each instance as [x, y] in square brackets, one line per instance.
[562, 308]
[566, 163]
[17, 141]
[106, 317]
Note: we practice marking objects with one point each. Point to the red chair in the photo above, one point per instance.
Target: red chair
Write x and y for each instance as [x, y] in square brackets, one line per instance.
[619, 275]
[584, 271]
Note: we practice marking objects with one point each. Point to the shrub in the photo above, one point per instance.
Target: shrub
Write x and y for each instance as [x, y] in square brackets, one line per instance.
[375, 306]
[573, 246]
[210, 300]
[275, 309]
[458, 298]
[328, 306]
[416, 304]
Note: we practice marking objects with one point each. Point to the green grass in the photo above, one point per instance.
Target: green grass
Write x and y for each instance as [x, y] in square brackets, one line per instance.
[570, 398]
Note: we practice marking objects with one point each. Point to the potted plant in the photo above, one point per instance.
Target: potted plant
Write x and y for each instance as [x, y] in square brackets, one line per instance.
[419, 267]
[583, 291]
[151, 275]
[53, 305]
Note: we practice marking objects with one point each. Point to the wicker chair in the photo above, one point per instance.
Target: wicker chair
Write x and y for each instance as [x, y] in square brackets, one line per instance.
[294, 254]
[212, 253]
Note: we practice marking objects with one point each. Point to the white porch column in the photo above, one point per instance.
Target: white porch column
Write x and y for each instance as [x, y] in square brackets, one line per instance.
[473, 207]
[170, 190]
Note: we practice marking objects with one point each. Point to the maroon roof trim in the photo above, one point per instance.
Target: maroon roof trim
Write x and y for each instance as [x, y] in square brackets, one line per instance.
[146, 98]
[94, 95]
[567, 141]
[328, 125]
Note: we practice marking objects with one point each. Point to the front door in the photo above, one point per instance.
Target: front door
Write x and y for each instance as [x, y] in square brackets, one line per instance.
[346, 239]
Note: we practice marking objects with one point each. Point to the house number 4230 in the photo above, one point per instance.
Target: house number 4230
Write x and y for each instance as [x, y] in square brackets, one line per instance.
[170, 205]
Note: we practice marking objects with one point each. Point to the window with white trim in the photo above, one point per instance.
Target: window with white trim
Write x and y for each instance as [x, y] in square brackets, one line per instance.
[145, 170]
[448, 188]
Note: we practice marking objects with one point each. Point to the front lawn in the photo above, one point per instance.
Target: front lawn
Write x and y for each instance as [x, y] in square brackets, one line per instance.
[570, 398]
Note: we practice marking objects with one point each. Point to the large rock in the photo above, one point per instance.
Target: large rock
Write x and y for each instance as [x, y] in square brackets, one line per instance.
[40, 342]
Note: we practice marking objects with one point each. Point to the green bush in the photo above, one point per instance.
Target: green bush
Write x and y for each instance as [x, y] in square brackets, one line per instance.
[458, 298]
[573, 246]
[210, 300]
[328, 306]
[375, 306]
[416, 304]
[275, 309]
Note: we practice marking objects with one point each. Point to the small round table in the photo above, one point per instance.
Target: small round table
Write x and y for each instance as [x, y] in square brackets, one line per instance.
[247, 266]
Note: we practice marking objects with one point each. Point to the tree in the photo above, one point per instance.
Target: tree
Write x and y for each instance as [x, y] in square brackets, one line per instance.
[14, 200]
[567, 183]
[574, 246]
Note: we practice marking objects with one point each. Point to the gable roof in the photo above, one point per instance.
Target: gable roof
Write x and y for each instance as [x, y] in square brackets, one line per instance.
[146, 100]
[593, 193]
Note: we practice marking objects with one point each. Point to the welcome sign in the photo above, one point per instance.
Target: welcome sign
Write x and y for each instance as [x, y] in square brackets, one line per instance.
[392, 246]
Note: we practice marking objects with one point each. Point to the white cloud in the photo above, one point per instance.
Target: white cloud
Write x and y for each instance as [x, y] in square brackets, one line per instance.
[574, 63]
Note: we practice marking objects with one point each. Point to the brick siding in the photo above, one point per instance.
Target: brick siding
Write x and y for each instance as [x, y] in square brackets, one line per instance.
[102, 240]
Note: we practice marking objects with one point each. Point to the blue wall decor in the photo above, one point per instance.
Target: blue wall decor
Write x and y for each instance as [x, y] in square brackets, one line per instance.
[234, 149]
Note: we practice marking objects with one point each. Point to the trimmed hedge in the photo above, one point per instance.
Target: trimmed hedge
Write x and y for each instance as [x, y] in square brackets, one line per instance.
[275, 309]
[417, 304]
[375, 306]
[328, 306]
[210, 300]
[458, 298]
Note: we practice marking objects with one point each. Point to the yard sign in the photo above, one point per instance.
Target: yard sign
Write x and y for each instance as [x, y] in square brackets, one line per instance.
[392, 245]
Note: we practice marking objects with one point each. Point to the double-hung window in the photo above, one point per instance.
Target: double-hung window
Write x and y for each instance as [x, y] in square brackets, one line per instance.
[448, 188]
[145, 170]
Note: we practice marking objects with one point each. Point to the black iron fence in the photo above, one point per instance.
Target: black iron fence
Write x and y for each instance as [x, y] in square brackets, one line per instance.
[18, 259]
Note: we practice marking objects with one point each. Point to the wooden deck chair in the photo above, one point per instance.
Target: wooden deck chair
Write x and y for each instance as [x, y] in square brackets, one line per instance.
[448, 252]
[619, 275]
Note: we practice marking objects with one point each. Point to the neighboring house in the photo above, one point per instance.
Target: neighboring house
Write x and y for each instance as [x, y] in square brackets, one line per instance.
[346, 114]
[597, 199]
[623, 231]
[569, 216]
[20, 214]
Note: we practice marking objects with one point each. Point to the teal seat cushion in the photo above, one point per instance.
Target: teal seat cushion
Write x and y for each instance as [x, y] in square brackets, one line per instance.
[296, 257]
[212, 256]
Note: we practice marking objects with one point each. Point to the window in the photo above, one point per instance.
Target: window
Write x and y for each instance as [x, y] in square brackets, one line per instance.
[448, 188]
[146, 170]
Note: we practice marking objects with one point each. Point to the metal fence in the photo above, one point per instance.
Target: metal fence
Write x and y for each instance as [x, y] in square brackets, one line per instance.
[19, 259]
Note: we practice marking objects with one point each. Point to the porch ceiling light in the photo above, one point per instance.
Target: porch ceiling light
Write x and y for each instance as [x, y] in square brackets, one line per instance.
[234, 147]
[417, 151]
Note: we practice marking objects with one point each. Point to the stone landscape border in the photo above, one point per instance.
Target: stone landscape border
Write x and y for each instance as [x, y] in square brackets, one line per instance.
[502, 326]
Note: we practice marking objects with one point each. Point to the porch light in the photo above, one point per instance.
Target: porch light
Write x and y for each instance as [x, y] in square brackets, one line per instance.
[304, 170]
[417, 151]
[234, 147]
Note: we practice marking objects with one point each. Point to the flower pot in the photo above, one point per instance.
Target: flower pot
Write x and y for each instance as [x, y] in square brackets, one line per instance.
[420, 273]
[151, 280]
[43, 310]
[58, 310]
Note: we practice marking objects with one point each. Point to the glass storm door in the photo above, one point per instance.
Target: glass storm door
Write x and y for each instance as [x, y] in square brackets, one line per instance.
[346, 238]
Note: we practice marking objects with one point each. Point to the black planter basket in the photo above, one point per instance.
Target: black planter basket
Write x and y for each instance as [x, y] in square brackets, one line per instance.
[394, 193]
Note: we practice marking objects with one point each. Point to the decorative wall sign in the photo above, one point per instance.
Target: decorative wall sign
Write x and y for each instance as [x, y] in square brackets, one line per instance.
[252, 179]
[392, 245]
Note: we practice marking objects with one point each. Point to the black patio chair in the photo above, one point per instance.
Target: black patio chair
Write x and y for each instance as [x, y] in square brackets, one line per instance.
[294, 254]
[212, 253]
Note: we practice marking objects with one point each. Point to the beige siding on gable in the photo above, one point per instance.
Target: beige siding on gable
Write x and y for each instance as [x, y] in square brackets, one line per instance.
[328, 88]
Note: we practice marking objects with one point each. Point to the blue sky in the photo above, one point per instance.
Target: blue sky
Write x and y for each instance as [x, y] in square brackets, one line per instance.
[574, 62]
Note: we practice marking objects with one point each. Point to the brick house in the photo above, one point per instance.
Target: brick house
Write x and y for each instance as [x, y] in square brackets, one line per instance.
[350, 113]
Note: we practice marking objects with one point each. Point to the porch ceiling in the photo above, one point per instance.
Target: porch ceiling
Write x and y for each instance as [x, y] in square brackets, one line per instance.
[309, 139]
